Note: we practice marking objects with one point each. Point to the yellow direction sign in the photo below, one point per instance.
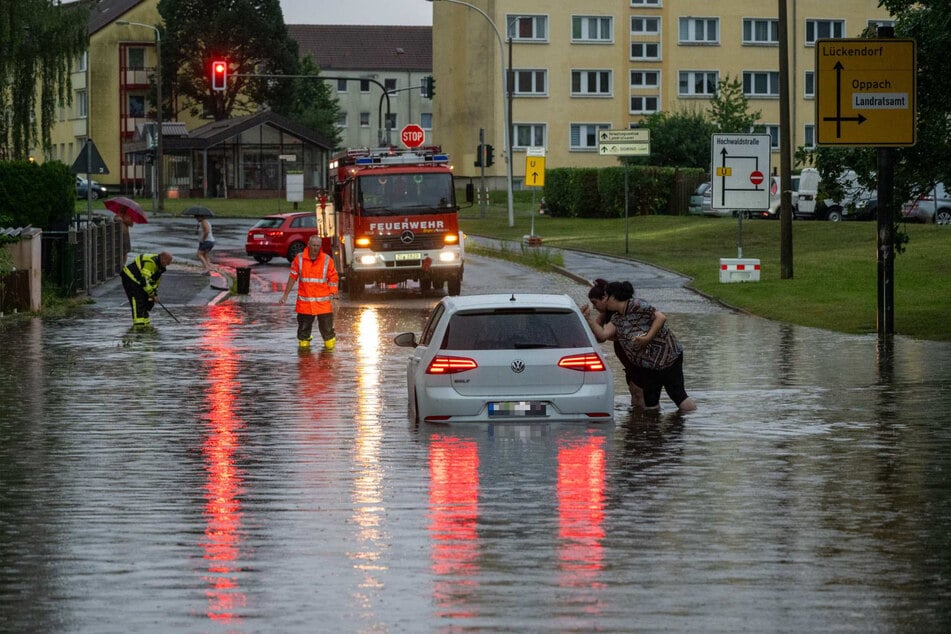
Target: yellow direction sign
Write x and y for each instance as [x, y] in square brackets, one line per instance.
[535, 171]
[866, 92]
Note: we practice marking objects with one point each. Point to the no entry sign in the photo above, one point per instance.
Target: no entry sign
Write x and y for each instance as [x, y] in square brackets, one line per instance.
[412, 136]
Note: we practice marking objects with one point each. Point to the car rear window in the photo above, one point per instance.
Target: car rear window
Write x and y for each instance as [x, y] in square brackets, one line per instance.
[515, 330]
[268, 223]
[305, 222]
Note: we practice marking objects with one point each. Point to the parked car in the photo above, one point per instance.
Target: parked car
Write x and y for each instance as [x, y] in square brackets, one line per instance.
[855, 201]
[701, 200]
[932, 206]
[504, 358]
[280, 235]
[97, 190]
[776, 200]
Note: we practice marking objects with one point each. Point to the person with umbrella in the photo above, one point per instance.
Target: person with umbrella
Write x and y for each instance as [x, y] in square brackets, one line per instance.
[128, 212]
[140, 280]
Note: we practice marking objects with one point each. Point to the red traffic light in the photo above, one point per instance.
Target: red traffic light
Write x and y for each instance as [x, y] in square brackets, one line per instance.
[219, 75]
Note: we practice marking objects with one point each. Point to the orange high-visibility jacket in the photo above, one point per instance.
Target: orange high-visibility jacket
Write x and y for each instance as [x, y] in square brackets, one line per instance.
[316, 283]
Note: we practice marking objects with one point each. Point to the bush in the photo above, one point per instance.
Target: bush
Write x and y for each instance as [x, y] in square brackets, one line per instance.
[38, 195]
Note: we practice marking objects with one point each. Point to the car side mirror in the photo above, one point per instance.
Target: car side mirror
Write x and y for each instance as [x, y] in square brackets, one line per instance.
[406, 340]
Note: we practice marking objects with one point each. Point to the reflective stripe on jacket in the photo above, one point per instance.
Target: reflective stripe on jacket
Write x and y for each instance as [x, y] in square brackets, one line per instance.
[145, 270]
[316, 283]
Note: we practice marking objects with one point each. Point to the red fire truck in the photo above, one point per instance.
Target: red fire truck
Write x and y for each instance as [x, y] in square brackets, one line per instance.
[396, 219]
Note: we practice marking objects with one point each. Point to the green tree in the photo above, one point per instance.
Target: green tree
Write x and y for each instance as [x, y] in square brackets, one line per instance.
[39, 41]
[249, 34]
[314, 104]
[680, 139]
[730, 110]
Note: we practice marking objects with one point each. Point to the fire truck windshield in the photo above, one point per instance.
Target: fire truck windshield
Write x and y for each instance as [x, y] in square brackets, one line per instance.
[397, 194]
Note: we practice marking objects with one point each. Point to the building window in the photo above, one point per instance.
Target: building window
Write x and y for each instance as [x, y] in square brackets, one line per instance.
[364, 85]
[645, 78]
[135, 57]
[770, 129]
[531, 82]
[759, 31]
[591, 29]
[391, 121]
[809, 136]
[761, 83]
[644, 104]
[646, 3]
[341, 121]
[390, 85]
[641, 25]
[809, 85]
[529, 135]
[645, 51]
[587, 83]
[698, 83]
[584, 136]
[364, 119]
[341, 85]
[426, 120]
[136, 106]
[823, 29]
[699, 30]
[877, 23]
[81, 104]
[81, 63]
[532, 28]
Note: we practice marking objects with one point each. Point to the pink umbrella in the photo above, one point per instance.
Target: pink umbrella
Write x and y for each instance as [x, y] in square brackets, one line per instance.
[122, 206]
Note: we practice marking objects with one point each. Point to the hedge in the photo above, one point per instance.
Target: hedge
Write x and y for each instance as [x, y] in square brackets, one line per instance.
[39, 195]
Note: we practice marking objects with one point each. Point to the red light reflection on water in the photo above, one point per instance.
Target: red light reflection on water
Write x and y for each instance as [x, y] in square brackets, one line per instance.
[222, 540]
[580, 489]
[454, 512]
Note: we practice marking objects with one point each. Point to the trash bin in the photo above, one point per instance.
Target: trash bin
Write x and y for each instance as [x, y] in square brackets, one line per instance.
[244, 280]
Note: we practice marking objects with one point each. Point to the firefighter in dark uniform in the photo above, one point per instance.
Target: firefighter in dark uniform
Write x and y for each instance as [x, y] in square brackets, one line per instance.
[140, 279]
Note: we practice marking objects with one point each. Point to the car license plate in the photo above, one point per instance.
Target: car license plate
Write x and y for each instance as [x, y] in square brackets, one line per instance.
[518, 408]
[258, 236]
[408, 256]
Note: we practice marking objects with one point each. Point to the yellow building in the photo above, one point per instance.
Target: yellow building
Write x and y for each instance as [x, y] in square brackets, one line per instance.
[582, 66]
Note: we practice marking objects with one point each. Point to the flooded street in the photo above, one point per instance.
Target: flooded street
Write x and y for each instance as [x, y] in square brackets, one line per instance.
[209, 478]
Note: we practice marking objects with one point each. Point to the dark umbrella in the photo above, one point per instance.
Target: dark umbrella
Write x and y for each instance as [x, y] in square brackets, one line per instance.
[198, 211]
[122, 206]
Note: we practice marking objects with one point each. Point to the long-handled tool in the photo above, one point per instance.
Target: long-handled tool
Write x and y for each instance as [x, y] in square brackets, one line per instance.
[167, 310]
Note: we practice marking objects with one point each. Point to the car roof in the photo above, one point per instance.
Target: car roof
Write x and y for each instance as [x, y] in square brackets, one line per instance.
[507, 300]
[292, 214]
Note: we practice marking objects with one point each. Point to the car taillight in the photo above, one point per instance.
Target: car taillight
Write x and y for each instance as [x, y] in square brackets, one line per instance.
[450, 365]
[589, 362]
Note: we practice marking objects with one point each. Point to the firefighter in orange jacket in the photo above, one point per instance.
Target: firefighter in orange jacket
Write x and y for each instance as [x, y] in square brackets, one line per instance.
[316, 293]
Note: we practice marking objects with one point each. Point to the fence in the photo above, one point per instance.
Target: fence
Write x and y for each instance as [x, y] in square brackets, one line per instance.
[82, 257]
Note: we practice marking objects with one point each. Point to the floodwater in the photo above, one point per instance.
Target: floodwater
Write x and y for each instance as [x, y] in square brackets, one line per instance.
[208, 478]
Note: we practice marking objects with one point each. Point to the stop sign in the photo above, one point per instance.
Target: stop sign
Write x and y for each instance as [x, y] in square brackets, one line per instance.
[412, 136]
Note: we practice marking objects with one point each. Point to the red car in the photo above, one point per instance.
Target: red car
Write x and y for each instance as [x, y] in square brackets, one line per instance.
[280, 235]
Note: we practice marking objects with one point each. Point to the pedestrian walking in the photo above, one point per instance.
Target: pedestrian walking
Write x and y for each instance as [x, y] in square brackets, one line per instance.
[653, 352]
[316, 275]
[206, 242]
[140, 279]
[598, 296]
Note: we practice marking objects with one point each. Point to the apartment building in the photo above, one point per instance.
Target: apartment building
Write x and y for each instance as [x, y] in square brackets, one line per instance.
[582, 66]
[380, 77]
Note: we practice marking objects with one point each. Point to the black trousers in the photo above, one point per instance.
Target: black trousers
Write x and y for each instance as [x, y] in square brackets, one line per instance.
[139, 300]
[305, 324]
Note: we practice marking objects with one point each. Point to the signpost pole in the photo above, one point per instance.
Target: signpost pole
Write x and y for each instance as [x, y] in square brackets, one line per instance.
[627, 207]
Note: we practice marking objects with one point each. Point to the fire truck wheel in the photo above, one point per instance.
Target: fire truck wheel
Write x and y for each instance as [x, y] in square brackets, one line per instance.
[454, 286]
[354, 287]
[425, 284]
[294, 249]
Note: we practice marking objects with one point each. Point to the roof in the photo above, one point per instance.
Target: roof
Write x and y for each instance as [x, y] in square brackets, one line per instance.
[365, 47]
[105, 12]
[218, 131]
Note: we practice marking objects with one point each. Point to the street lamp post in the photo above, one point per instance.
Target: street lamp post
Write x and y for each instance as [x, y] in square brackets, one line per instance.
[507, 133]
[158, 200]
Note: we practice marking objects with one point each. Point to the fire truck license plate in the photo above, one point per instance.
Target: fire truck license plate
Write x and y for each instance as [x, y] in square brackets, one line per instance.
[408, 256]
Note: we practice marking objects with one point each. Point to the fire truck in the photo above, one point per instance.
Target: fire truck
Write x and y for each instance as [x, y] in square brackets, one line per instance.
[394, 219]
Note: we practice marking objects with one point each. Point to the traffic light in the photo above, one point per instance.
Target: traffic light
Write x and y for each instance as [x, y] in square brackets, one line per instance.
[480, 152]
[489, 156]
[219, 75]
[429, 84]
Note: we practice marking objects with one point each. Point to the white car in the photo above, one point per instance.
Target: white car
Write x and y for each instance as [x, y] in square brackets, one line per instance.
[504, 358]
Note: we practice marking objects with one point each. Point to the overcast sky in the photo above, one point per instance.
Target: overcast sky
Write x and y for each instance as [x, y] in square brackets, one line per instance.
[406, 12]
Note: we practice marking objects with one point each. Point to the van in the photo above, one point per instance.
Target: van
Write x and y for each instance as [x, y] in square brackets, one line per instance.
[856, 203]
